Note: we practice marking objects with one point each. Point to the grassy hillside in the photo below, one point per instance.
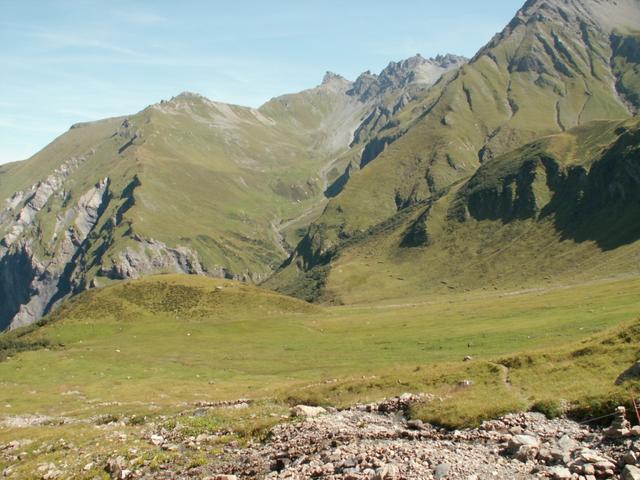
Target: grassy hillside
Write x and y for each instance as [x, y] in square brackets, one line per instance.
[560, 210]
[145, 350]
[557, 65]
[187, 185]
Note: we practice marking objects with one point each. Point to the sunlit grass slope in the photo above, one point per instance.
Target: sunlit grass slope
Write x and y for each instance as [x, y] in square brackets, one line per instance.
[145, 350]
[169, 339]
[561, 210]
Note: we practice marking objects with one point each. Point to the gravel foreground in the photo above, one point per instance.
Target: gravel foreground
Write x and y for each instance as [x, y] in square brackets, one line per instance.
[376, 442]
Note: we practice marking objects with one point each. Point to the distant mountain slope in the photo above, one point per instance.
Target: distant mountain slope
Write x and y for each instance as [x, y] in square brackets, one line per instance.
[186, 185]
[558, 64]
[562, 209]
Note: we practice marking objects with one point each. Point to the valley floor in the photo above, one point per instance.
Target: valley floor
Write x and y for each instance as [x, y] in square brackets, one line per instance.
[155, 357]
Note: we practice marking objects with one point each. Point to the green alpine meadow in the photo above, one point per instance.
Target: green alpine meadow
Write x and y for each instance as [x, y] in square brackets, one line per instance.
[430, 272]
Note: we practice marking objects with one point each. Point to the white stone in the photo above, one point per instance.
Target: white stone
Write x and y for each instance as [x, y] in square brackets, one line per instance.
[307, 411]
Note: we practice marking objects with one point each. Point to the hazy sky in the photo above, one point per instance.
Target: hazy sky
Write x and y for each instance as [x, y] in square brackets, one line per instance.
[69, 61]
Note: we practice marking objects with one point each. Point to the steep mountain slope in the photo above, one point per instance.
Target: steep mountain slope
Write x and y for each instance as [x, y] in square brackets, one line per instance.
[560, 210]
[186, 185]
[557, 65]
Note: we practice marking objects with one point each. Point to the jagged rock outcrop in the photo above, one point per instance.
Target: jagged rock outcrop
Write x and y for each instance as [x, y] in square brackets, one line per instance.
[33, 279]
[408, 78]
[36, 198]
[154, 256]
[414, 70]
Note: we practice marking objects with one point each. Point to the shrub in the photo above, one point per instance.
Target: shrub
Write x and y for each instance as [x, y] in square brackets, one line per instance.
[551, 408]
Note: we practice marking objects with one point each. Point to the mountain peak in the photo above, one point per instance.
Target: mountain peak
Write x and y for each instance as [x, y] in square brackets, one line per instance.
[604, 15]
[331, 77]
[412, 70]
[186, 95]
[449, 60]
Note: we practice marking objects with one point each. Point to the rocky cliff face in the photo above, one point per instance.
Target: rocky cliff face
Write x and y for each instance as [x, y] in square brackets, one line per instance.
[42, 264]
[412, 71]
[33, 265]
[188, 185]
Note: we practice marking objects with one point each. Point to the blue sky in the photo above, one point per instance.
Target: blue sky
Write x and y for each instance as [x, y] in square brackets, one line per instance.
[70, 61]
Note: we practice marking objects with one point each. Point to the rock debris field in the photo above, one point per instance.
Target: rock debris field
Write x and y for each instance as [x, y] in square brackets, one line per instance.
[376, 442]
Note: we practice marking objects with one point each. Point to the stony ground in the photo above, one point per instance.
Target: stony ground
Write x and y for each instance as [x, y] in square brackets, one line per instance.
[376, 441]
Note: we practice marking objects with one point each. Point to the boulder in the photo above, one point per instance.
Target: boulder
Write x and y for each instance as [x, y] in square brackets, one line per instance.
[518, 441]
[586, 455]
[116, 468]
[387, 472]
[560, 473]
[630, 458]
[567, 444]
[620, 427]
[523, 447]
[307, 411]
[604, 469]
[631, 472]
[415, 424]
[560, 456]
[442, 471]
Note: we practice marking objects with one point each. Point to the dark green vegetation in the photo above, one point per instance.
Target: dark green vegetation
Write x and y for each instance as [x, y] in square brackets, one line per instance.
[14, 343]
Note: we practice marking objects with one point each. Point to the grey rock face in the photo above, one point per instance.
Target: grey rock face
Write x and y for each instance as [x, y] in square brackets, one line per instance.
[36, 198]
[89, 208]
[154, 256]
[37, 273]
[31, 281]
[414, 70]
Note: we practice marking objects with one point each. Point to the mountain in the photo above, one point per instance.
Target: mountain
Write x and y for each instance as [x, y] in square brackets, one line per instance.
[465, 235]
[308, 180]
[561, 210]
[186, 185]
[557, 65]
